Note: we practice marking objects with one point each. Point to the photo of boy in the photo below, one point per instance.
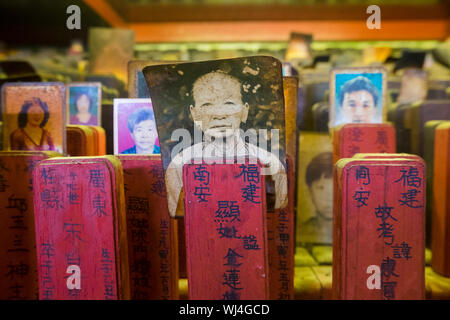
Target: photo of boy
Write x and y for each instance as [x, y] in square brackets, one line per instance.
[319, 179]
[315, 189]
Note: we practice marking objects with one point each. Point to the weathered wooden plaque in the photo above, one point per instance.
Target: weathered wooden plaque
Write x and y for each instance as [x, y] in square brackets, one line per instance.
[18, 268]
[152, 234]
[418, 115]
[100, 140]
[350, 139]
[81, 238]
[226, 238]
[440, 234]
[290, 89]
[379, 229]
[81, 141]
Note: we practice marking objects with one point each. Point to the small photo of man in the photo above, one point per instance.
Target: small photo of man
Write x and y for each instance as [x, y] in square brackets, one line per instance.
[357, 98]
[135, 127]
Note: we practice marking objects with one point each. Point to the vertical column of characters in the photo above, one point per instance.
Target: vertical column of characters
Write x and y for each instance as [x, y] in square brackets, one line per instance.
[101, 208]
[364, 184]
[381, 223]
[237, 243]
[196, 181]
[280, 234]
[18, 273]
[405, 234]
[152, 252]
[49, 206]
[138, 226]
[167, 251]
[385, 139]
[73, 230]
[352, 138]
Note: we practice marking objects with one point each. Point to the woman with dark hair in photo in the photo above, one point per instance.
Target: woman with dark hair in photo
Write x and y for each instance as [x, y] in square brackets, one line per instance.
[31, 134]
[84, 116]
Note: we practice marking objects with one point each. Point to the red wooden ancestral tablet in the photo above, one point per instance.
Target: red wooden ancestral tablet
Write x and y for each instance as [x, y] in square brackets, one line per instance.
[152, 234]
[81, 234]
[387, 156]
[226, 239]
[18, 268]
[379, 229]
[281, 242]
[353, 138]
[440, 235]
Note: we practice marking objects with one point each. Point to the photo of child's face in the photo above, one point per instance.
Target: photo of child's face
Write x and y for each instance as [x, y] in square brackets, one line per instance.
[83, 104]
[320, 191]
[358, 107]
[35, 115]
[219, 109]
[145, 134]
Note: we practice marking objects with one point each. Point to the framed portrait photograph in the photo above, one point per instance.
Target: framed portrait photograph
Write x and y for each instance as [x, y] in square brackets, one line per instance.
[84, 100]
[220, 109]
[137, 87]
[34, 116]
[110, 49]
[315, 189]
[135, 129]
[414, 86]
[357, 95]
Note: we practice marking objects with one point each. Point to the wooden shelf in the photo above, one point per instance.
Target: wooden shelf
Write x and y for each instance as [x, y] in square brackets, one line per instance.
[232, 23]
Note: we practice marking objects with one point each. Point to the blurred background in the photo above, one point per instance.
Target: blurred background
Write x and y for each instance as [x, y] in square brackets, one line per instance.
[36, 31]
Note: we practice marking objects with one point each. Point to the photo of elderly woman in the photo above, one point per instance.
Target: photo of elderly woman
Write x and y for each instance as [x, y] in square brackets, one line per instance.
[357, 97]
[31, 134]
[135, 127]
[84, 100]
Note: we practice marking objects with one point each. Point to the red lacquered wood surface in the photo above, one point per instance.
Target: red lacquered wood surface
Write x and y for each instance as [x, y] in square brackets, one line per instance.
[100, 140]
[379, 221]
[440, 235]
[80, 141]
[281, 242]
[226, 236]
[18, 267]
[354, 138]
[152, 234]
[81, 229]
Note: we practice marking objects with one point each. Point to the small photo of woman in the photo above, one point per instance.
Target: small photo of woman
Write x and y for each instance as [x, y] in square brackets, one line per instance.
[84, 100]
[135, 127]
[31, 134]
